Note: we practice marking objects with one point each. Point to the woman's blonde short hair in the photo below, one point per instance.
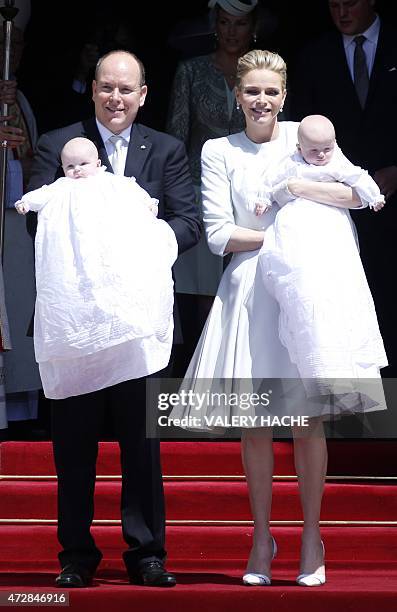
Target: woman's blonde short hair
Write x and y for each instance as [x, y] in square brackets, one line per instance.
[257, 60]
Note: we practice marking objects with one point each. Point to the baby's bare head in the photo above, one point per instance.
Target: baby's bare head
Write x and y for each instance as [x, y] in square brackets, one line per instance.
[316, 139]
[80, 158]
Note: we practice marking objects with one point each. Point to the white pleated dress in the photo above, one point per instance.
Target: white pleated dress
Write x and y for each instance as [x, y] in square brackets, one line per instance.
[240, 349]
[104, 284]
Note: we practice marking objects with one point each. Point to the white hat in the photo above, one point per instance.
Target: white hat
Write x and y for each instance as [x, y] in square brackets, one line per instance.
[22, 17]
[234, 7]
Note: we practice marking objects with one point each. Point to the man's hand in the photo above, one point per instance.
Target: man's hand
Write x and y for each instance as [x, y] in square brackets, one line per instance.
[8, 92]
[10, 134]
[386, 179]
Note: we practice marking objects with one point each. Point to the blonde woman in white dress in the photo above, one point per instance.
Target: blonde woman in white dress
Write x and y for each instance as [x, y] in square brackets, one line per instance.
[240, 339]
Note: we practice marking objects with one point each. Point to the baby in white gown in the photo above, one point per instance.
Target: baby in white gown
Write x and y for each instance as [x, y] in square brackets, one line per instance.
[311, 264]
[103, 276]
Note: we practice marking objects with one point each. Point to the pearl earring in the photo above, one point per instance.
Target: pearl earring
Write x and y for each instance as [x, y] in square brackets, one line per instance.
[238, 106]
[255, 38]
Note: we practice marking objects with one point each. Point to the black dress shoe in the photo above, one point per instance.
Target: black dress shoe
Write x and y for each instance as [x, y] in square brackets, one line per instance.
[152, 573]
[73, 577]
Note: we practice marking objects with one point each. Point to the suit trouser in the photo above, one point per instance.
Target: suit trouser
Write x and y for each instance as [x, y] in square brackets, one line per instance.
[76, 427]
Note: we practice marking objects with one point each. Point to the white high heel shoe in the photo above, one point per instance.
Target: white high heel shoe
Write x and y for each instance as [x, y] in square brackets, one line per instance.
[315, 579]
[253, 579]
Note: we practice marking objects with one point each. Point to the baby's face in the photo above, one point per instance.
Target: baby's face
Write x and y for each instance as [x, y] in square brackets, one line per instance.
[80, 165]
[317, 153]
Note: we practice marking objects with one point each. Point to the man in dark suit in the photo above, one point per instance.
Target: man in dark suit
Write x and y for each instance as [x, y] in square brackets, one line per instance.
[350, 76]
[160, 166]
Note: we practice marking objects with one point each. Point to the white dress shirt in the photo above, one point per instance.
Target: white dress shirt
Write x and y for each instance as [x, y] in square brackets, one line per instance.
[106, 134]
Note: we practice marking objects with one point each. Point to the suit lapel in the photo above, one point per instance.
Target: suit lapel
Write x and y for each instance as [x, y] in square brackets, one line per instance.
[382, 60]
[340, 62]
[138, 151]
[343, 78]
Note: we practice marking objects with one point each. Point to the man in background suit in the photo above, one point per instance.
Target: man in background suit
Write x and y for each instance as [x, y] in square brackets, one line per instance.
[159, 163]
[356, 88]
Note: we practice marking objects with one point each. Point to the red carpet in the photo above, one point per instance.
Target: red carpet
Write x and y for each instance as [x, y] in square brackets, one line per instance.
[217, 588]
[204, 489]
[197, 544]
[210, 501]
[196, 458]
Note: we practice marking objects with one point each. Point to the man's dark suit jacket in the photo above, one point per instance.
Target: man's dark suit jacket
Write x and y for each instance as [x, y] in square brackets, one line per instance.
[321, 84]
[158, 162]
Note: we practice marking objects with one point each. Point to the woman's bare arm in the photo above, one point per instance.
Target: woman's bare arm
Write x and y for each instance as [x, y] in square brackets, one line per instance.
[244, 239]
[334, 193]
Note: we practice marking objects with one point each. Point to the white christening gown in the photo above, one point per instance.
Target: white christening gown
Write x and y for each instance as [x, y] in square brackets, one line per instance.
[311, 264]
[104, 285]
